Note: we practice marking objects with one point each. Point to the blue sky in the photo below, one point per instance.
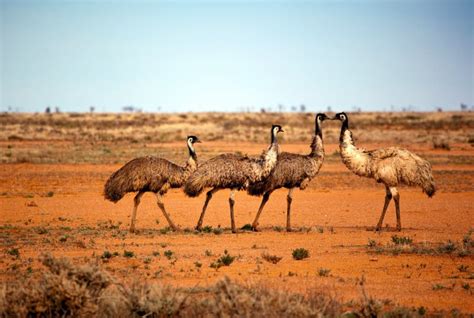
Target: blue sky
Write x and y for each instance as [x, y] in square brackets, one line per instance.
[234, 55]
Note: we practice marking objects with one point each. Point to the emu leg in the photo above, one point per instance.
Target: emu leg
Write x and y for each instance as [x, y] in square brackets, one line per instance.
[161, 205]
[208, 198]
[265, 198]
[396, 198]
[136, 202]
[289, 199]
[231, 205]
[388, 197]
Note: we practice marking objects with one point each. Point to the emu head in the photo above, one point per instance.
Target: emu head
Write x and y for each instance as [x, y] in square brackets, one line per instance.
[341, 116]
[193, 139]
[276, 129]
[320, 117]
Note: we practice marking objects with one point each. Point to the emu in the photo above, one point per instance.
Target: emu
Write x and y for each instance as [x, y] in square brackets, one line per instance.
[391, 166]
[291, 171]
[150, 174]
[232, 171]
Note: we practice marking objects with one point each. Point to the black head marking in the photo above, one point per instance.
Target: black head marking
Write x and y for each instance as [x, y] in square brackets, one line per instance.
[193, 139]
[279, 129]
[321, 117]
[341, 116]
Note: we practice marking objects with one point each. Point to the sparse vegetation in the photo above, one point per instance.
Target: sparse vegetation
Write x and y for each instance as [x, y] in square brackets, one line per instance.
[371, 243]
[274, 259]
[106, 255]
[463, 268]
[246, 227]
[128, 254]
[14, 252]
[218, 231]
[441, 144]
[66, 290]
[206, 229]
[278, 228]
[169, 254]
[323, 272]
[439, 287]
[224, 260]
[401, 240]
[300, 253]
[404, 245]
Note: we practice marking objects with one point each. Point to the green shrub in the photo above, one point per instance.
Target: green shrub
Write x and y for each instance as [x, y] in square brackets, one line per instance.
[207, 229]
[300, 253]
[401, 240]
[168, 254]
[106, 255]
[246, 227]
[128, 254]
[224, 260]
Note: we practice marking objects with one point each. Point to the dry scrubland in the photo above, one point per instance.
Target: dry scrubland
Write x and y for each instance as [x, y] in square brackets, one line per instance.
[53, 168]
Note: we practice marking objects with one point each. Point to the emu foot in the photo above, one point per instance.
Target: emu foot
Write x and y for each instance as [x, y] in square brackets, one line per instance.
[254, 227]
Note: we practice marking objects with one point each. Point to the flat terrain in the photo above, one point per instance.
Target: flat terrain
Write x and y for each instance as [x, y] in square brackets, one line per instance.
[51, 200]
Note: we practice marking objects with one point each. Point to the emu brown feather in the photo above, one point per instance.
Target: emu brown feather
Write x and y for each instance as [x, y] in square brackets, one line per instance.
[147, 174]
[291, 171]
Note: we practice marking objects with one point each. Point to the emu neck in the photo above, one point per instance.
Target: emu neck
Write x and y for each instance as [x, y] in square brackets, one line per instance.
[192, 161]
[356, 160]
[270, 158]
[317, 147]
[344, 128]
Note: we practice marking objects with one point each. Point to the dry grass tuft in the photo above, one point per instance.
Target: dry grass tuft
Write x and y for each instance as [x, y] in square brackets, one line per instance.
[66, 290]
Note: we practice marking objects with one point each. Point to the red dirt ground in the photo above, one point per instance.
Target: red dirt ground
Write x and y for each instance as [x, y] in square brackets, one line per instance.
[331, 218]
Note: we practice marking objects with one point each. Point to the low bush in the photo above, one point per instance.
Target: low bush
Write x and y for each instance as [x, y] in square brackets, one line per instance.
[67, 290]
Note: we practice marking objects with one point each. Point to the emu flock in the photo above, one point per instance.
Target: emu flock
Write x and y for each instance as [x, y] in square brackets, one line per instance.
[260, 176]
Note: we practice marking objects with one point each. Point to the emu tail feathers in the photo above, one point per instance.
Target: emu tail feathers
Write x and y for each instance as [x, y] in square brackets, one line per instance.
[426, 180]
[429, 187]
[113, 191]
[257, 189]
[194, 186]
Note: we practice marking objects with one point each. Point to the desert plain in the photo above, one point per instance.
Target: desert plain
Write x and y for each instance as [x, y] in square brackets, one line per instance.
[53, 168]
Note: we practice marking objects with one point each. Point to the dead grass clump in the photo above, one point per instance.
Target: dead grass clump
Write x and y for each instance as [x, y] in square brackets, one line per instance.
[271, 258]
[63, 290]
[439, 143]
[405, 245]
[66, 290]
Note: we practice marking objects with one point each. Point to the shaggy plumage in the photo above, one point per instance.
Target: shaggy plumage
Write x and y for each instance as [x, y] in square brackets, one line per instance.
[390, 166]
[231, 171]
[150, 174]
[291, 171]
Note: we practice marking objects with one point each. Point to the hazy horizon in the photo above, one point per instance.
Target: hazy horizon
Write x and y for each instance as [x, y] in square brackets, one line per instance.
[180, 56]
